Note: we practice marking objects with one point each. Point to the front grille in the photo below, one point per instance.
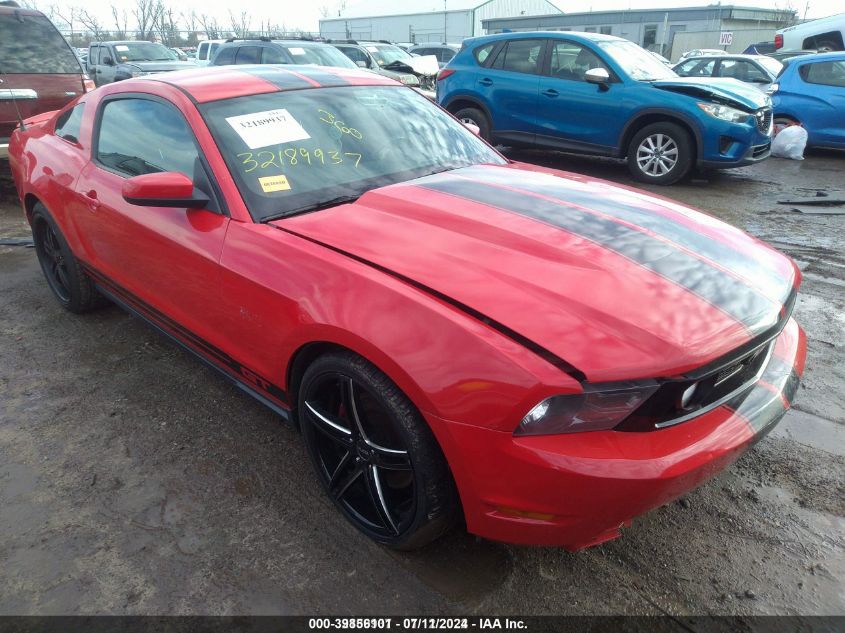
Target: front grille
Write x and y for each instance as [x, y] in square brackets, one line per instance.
[764, 120]
[760, 150]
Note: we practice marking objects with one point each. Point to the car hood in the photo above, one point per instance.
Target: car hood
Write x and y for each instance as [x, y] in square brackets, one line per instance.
[617, 283]
[159, 67]
[720, 90]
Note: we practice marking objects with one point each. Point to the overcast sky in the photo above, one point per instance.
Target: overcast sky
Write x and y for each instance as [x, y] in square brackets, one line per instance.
[305, 14]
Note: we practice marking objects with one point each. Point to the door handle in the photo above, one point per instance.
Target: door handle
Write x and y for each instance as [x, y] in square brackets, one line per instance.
[550, 92]
[486, 82]
[93, 202]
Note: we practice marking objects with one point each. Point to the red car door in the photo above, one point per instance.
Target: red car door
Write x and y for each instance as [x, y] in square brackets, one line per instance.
[163, 261]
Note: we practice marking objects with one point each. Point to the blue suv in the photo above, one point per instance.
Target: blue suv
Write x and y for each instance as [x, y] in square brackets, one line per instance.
[606, 96]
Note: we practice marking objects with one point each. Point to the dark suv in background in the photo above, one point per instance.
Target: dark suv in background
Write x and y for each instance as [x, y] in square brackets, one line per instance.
[115, 61]
[283, 51]
[39, 71]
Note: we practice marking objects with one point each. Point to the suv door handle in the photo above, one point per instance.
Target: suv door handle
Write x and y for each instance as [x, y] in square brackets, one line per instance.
[551, 92]
[93, 202]
[486, 81]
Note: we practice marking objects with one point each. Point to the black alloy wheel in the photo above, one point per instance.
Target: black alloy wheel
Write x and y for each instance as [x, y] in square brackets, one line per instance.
[373, 454]
[53, 261]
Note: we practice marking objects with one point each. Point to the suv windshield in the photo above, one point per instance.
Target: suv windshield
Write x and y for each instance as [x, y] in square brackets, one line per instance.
[319, 54]
[143, 52]
[637, 62]
[296, 151]
[387, 54]
[31, 44]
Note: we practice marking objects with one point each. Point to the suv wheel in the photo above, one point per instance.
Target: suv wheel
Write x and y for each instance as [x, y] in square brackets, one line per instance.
[660, 153]
[477, 118]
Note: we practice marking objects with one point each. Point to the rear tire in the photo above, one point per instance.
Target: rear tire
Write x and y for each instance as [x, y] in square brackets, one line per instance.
[476, 117]
[72, 288]
[374, 454]
[660, 154]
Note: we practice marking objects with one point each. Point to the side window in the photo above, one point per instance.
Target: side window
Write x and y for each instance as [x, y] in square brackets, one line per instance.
[224, 57]
[521, 56]
[696, 68]
[830, 73]
[202, 51]
[167, 143]
[272, 55]
[212, 48]
[354, 54]
[68, 124]
[446, 54]
[570, 61]
[483, 52]
[93, 55]
[248, 55]
[741, 70]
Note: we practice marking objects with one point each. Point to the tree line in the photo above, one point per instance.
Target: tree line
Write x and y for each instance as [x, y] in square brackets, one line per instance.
[154, 20]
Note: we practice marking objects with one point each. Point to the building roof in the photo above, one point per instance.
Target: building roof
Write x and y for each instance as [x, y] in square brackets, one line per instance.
[382, 8]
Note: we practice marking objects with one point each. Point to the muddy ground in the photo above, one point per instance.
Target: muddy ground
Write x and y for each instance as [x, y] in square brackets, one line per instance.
[135, 480]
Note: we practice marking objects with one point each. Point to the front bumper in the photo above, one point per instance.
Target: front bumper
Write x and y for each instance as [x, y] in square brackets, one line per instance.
[728, 145]
[580, 489]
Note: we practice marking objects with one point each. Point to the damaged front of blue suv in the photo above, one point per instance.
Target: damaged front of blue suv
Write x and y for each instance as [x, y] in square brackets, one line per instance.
[603, 95]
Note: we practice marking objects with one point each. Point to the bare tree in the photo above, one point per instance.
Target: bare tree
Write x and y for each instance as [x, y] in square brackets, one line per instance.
[168, 27]
[147, 13]
[68, 15]
[121, 22]
[91, 23]
[240, 24]
[211, 26]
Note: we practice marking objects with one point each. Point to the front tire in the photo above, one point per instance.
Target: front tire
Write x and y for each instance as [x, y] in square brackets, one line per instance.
[477, 118]
[661, 154]
[374, 454]
[72, 288]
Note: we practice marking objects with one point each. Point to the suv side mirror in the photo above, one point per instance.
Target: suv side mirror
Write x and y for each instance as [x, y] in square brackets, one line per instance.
[598, 76]
[108, 61]
[163, 189]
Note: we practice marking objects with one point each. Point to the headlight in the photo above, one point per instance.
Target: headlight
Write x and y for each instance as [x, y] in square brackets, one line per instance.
[726, 113]
[409, 80]
[772, 89]
[139, 73]
[598, 408]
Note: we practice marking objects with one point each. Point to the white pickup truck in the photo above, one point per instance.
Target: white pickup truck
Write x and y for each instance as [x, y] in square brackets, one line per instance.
[824, 34]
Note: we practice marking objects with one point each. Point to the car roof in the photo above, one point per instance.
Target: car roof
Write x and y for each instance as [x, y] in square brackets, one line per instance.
[573, 35]
[815, 57]
[212, 83]
[8, 10]
[728, 57]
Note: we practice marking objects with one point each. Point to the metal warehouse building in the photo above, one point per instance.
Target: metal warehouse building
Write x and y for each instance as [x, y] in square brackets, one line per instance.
[425, 20]
[669, 32]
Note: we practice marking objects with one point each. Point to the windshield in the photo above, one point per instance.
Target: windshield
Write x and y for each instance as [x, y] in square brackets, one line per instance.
[143, 52]
[635, 61]
[320, 55]
[290, 152]
[772, 65]
[388, 54]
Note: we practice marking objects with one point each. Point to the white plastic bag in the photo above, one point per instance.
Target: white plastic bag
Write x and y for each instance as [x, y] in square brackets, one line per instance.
[790, 142]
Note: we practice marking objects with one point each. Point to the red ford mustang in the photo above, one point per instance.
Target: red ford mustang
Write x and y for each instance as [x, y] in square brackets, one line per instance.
[546, 354]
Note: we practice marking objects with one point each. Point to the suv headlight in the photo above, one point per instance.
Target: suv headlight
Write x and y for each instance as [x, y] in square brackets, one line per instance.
[598, 408]
[139, 73]
[409, 80]
[726, 113]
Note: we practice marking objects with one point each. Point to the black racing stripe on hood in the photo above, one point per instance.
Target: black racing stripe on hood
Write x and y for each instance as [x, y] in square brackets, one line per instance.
[286, 79]
[527, 343]
[718, 288]
[774, 285]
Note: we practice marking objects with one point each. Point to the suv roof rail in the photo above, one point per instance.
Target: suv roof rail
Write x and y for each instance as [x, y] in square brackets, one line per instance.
[248, 39]
[301, 38]
[343, 41]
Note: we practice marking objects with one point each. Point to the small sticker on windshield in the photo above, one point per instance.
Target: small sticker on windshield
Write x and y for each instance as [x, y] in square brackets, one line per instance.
[372, 49]
[297, 50]
[271, 127]
[269, 184]
[121, 47]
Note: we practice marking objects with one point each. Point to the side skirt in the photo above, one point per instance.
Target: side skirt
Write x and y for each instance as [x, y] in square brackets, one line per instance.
[227, 372]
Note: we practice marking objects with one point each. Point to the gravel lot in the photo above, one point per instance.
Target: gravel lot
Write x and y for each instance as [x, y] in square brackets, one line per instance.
[135, 480]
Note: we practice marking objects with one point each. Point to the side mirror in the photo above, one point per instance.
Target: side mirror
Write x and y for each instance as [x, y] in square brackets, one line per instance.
[108, 61]
[598, 76]
[361, 64]
[472, 127]
[163, 189]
